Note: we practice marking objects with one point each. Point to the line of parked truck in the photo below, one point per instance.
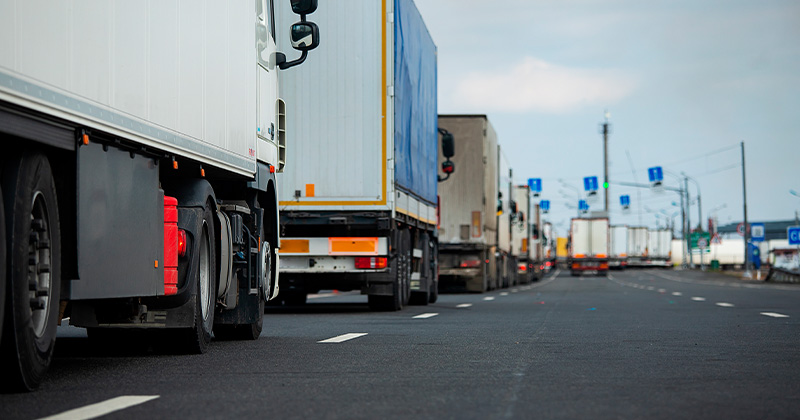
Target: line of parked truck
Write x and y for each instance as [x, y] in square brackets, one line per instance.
[595, 246]
[162, 172]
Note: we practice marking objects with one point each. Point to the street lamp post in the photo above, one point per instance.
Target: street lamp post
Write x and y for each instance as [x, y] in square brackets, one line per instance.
[699, 211]
[605, 131]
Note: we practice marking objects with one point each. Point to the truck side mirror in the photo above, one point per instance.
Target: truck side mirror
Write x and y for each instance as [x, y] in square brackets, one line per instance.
[303, 7]
[513, 206]
[305, 36]
[448, 145]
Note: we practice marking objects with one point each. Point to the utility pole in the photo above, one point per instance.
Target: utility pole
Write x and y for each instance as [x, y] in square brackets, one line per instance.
[511, 212]
[746, 230]
[687, 244]
[688, 218]
[605, 160]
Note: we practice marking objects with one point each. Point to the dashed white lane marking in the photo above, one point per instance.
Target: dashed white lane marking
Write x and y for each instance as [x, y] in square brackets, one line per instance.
[489, 298]
[698, 299]
[103, 408]
[464, 305]
[651, 288]
[342, 338]
[725, 304]
[426, 315]
[677, 294]
[504, 294]
[774, 315]
[514, 290]
[662, 290]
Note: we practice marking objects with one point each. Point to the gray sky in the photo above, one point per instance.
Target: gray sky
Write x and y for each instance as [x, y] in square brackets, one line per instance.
[684, 81]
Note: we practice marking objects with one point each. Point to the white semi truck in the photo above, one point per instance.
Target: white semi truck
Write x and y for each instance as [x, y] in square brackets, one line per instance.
[588, 250]
[468, 207]
[141, 143]
[359, 198]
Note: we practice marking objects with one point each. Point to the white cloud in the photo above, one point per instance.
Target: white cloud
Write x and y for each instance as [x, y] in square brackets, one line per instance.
[536, 85]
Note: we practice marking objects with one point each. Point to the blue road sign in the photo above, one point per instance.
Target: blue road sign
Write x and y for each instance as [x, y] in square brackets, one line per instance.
[655, 174]
[793, 232]
[544, 205]
[590, 183]
[758, 232]
[583, 205]
[535, 184]
[625, 200]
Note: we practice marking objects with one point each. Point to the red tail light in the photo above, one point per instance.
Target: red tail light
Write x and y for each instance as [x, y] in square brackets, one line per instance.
[549, 263]
[171, 245]
[470, 263]
[181, 243]
[523, 268]
[370, 262]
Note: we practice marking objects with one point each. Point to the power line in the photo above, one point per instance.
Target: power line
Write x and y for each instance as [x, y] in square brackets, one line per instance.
[704, 155]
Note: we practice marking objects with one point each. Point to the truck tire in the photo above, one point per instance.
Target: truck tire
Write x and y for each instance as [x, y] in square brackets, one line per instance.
[400, 284]
[198, 337]
[434, 295]
[33, 271]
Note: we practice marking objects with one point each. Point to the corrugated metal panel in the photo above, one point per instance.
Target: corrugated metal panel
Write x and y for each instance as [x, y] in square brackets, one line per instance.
[124, 67]
[461, 195]
[579, 237]
[619, 241]
[504, 180]
[659, 243]
[600, 236]
[337, 109]
[637, 241]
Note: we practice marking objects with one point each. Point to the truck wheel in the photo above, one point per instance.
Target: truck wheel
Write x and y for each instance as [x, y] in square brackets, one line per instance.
[434, 295]
[34, 271]
[199, 336]
[400, 287]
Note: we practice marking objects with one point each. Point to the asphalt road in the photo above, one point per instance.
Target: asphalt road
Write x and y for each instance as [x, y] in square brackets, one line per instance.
[638, 344]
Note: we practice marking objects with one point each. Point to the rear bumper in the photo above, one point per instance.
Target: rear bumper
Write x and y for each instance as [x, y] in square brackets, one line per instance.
[589, 265]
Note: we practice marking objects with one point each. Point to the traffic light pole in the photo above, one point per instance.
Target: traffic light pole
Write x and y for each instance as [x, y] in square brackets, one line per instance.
[746, 230]
[605, 164]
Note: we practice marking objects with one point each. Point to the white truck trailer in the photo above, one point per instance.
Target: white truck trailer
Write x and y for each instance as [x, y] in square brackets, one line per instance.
[618, 237]
[141, 142]
[659, 247]
[468, 207]
[588, 251]
[525, 247]
[506, 261]
[359, 198]
[637, 246]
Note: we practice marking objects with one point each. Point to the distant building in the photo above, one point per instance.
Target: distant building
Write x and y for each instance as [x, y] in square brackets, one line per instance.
[774, 230]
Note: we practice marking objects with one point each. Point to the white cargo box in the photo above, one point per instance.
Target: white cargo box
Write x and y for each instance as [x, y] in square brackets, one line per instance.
[182, 78]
